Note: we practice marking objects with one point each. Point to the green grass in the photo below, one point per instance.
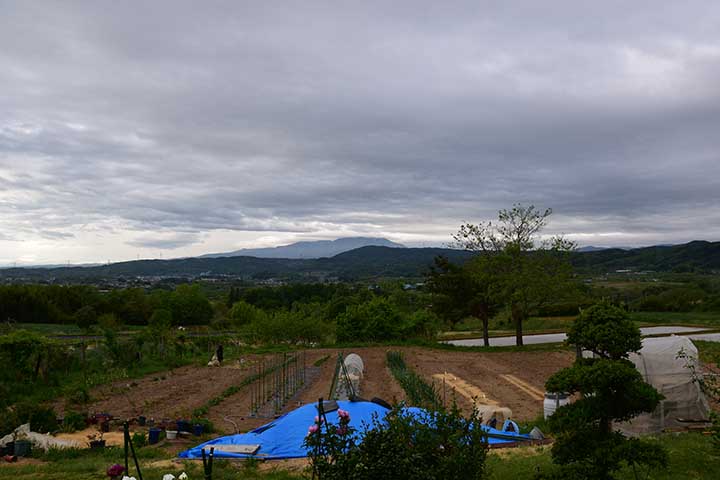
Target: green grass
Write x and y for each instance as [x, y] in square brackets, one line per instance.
[92, 464]
[711, 319]
[67, 329]
[709, 351]
[50, 328]
[692, 456]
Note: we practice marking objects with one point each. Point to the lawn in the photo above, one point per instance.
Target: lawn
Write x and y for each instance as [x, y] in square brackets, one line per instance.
[692, 456]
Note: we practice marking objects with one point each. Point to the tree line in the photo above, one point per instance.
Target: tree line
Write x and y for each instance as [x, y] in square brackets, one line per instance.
[85, 305]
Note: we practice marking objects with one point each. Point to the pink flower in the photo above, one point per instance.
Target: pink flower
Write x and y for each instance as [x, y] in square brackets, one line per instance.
[115, 470]
[341, 430]
[343, 414]
[312, 429]
[318, 420]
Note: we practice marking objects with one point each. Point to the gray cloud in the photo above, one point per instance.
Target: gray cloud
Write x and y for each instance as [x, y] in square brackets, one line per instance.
[170, 126]
[164, 241]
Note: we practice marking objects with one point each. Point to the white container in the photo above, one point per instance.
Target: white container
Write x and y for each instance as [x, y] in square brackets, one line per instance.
[553, 401]
[171, 434]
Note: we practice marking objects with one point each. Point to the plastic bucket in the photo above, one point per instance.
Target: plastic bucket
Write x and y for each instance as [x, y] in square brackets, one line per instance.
[154, 436]
[197, 429]
[553, 401]
[22, 448]
[171, 434]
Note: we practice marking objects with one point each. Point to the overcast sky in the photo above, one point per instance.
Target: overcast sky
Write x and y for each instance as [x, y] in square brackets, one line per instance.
[166, 129]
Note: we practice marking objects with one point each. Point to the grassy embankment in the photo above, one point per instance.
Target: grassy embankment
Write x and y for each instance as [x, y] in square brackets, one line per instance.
[692, 455]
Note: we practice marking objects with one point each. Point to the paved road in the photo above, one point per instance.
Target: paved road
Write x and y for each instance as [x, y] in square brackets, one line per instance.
[560, 337]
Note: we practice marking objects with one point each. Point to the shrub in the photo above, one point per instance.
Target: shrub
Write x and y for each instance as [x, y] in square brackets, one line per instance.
[443, 445]
[296, 326]
[73, 421]
[377, 319]
[243, 313]
[25, 351]
[208, 426]
[8, 421]
[78, 395]
[139, 439]
[41, 418]
[611, 389]
[422, 324]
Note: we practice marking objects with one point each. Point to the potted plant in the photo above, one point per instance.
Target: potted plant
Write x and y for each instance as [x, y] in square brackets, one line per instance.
[96, 440]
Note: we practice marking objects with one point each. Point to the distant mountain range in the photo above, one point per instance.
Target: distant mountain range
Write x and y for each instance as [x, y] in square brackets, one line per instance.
[591, 248]
[700, 256]
[310, 249]
[370, 262]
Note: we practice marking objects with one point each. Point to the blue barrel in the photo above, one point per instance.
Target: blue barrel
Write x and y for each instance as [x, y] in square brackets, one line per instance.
[154, 436]
[183, 426]
[197, 429]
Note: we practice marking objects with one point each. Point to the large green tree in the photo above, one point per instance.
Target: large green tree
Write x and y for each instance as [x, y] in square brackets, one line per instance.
[459, 291]
[527, 271]
[610, 389]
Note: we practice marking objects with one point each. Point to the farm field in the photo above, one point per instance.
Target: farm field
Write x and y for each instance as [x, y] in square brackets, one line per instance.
[512, 379]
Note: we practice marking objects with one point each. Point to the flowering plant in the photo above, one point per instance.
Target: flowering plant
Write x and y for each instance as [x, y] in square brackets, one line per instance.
[329, 445]
[399, 444]
[115, 471]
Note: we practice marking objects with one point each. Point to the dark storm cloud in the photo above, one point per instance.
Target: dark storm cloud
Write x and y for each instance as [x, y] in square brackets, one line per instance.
[163, 121]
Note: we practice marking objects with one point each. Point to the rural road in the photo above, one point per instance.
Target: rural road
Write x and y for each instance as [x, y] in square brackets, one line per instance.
[560, 337]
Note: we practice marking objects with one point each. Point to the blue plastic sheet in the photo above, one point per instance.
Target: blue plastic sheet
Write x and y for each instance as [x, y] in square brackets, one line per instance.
[284, 437]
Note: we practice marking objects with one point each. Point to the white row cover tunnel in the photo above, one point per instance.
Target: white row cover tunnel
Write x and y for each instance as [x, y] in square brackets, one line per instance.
[349, 377]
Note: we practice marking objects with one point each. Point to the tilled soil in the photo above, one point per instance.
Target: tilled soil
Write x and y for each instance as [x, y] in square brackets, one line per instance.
[166, 395]
[175, 393]
[485, 370]
[377, 382]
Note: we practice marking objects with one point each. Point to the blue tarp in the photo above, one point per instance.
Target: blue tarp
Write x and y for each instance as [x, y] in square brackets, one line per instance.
[284, 437]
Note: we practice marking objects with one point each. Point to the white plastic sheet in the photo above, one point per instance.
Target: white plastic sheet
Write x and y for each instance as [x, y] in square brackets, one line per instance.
[39, 440]
[661, 366]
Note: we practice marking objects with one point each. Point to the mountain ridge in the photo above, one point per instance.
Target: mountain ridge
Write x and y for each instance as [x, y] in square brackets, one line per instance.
[371, 262]
[309, 249]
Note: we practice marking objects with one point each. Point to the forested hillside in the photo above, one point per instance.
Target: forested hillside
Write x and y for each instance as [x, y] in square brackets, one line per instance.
[375, 262]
